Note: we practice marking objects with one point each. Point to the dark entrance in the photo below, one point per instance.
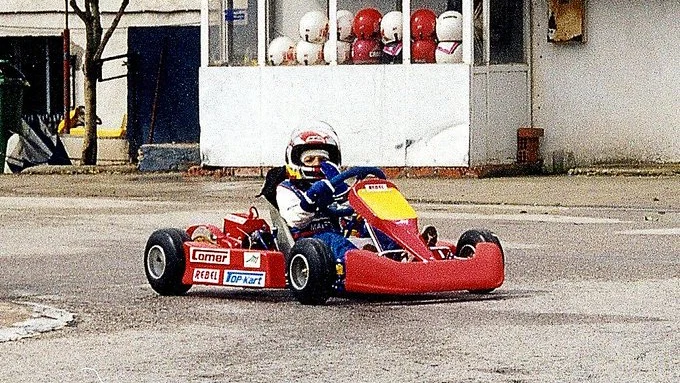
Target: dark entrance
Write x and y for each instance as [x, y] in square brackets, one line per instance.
[163, 85]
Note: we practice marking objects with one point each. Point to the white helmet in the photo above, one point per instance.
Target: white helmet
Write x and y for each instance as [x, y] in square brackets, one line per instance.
[450, 26]
[309, 53]
[449, 52]
[344, 52]
[281, 51]
[391, 27]
[311, 135]
[314, 27]
[345, 19]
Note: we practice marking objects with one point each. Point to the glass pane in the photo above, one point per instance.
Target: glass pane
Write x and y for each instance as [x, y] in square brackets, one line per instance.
[297, 32]
[240, 32]
[215, 27]
[507, 32]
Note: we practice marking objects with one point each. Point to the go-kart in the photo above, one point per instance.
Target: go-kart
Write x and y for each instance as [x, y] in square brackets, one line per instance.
[248, 252]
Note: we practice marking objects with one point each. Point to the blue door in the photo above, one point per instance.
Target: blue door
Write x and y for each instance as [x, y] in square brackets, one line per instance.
[163, 85]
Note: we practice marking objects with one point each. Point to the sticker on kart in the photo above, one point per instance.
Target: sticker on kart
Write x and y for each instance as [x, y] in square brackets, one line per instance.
[214, 256]
[243, 278]
[206, 276]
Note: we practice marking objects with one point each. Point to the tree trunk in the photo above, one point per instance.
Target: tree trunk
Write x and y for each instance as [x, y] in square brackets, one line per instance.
[91, 74]
[96, 41]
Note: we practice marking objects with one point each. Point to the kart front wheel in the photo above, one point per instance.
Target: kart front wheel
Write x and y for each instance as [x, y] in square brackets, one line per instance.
[164, 261]
[467, 247]
[310, 271]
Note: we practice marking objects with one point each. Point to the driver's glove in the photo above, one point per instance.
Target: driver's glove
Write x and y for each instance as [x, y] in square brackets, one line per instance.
[330, 170]
[319, 195]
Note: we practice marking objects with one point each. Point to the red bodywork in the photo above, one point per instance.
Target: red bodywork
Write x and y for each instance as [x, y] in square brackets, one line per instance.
[431, 270]
[216, 256]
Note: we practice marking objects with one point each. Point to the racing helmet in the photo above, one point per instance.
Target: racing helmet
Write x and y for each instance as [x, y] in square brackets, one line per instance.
[315, 136]
[314, 27]
[423, 24]
[309, 53]
[422, 51]
[344, 50]
[345, 19]
[450, 26]
[366, 51]
[366, 24]
[281, 51]
[449, 52]
[391, 27]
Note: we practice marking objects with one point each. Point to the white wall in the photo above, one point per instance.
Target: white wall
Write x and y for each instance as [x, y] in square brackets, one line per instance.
[248, 113]
[616, 97]
[500, 105]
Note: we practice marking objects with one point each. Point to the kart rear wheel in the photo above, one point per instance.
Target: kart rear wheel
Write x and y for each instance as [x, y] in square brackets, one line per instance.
[467, 246]
[164, 261]
[310, 271]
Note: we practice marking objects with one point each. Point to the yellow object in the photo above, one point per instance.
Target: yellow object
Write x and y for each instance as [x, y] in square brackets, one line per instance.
[388, 203]
[72, 118]
[118, 132]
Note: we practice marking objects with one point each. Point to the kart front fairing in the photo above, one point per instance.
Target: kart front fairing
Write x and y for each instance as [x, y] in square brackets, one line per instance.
[383, 207]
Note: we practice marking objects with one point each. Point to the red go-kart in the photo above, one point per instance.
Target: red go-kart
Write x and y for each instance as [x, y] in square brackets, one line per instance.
[248, 252]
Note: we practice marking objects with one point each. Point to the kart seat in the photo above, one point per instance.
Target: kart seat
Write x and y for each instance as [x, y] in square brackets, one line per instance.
[284, 238]
[274, 177]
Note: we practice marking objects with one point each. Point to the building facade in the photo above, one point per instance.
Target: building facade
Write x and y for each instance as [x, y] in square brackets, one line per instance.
[607, 93]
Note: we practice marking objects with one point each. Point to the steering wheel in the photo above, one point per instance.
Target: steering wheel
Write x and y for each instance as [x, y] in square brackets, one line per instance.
[359, 172]
[338, 182]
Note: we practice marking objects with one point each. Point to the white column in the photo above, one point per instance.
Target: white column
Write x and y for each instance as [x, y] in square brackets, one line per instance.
[205, 33]
[406, 31]
[468, 31]
[261, 32]
[332, 32]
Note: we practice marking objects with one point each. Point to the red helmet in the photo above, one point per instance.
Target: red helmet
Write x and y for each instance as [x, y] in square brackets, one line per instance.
[366, 51]
[423, 24]
[423, 51]
[366, 24]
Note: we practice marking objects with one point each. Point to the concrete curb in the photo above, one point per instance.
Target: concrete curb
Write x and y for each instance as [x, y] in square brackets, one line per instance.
[39, 319]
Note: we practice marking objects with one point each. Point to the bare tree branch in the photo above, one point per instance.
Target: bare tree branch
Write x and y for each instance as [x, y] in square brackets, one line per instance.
[78, 11]
[109, 32]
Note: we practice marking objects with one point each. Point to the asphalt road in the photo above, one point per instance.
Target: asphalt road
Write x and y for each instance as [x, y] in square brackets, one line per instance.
[592, 289]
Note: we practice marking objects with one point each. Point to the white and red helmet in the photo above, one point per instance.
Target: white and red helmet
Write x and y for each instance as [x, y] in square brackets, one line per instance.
[309, 53]
[281, 51]
[449, 52]
[345, 19]
[311, 135]
[450, 26]
[314, 27]
[344, 50]
[391, 27]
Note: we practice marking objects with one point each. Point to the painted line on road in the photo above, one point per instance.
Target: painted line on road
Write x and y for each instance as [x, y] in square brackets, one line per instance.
[666, 231]
[548, 218]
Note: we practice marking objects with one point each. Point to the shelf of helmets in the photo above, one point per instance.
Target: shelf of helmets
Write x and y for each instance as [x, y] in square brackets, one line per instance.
[370, 37]
[393, 115]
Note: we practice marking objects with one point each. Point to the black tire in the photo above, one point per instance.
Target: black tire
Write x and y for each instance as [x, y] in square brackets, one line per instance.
[164, 261]
[311, 271]
[467, 246]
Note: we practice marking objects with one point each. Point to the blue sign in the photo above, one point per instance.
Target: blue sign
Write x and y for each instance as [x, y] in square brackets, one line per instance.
[236, 16]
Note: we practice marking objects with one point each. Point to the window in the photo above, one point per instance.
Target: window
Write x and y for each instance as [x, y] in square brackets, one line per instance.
[368, 32]
[499, 32]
